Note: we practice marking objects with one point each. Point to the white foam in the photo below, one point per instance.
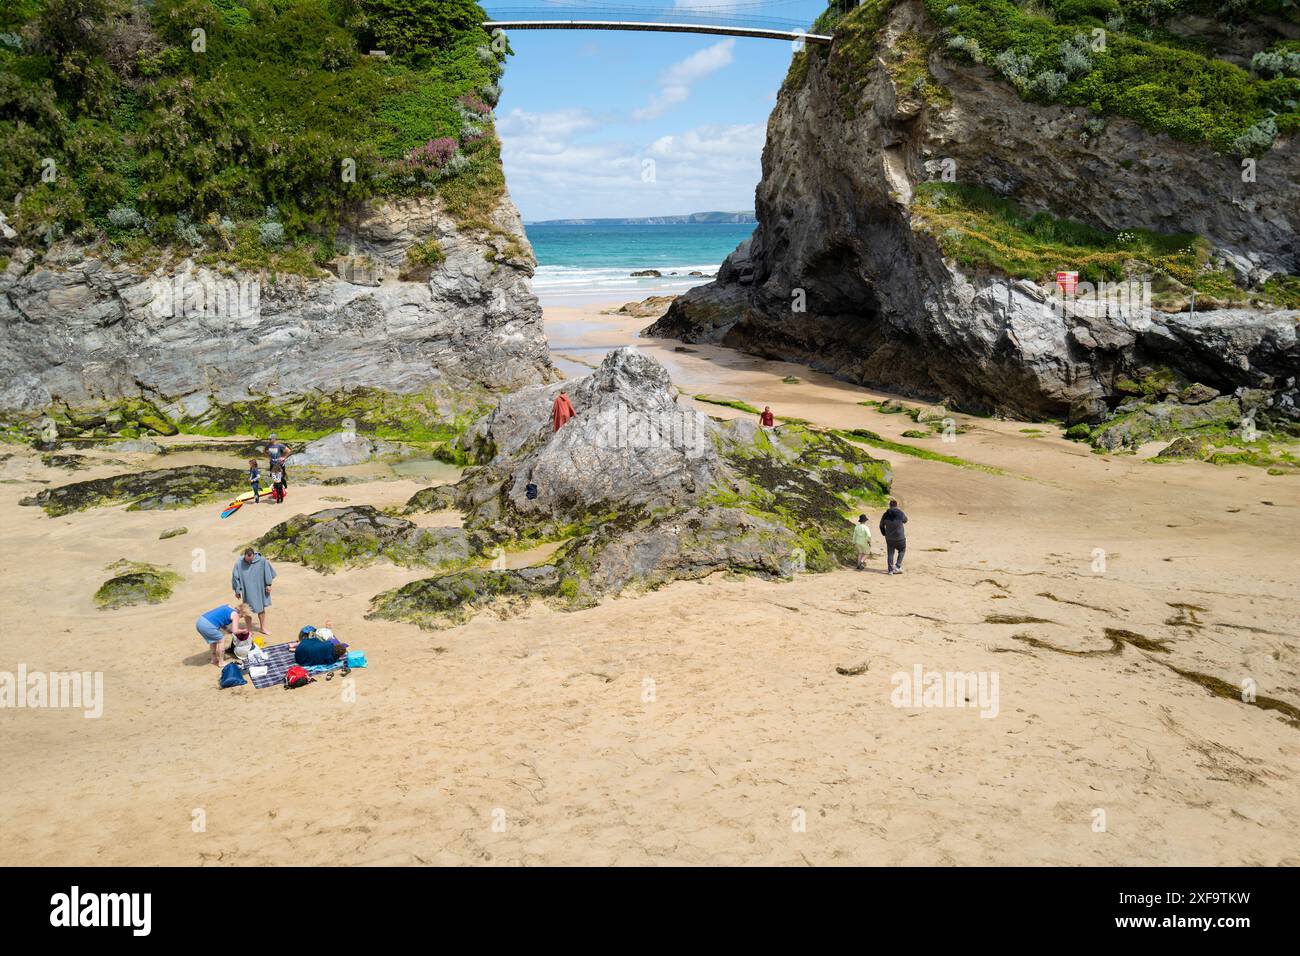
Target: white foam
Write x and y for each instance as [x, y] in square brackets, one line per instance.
[557, 285]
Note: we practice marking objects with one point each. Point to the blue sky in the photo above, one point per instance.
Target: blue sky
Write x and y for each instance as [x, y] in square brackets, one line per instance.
[585, 113]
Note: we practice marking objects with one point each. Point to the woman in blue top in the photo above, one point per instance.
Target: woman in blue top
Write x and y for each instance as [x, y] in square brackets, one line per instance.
[214, 626]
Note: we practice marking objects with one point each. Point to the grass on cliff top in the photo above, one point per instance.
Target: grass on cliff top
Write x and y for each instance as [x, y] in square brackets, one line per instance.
[981, 230]
[255, 148]
[1048, 51]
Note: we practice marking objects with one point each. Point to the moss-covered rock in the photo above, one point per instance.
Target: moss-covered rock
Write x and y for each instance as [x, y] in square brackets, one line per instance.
[129, 418]
[135, 583]
[67, 462]
[808, 481]
[359, 535]
[1158, 382]
[1197, 394]
[452, 598]
[1193, 447]
[240, 449]
[420, 416]
[145, 491]
[1139, 422]
[433, 415]
[429, 500]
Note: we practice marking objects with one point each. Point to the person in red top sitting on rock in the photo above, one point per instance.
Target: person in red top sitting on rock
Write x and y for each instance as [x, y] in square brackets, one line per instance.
[767, 419]
[561, 411]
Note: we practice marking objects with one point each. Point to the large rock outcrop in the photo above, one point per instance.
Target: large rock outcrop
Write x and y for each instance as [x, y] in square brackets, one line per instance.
[644, 490]
[850, 144]
[82, 331]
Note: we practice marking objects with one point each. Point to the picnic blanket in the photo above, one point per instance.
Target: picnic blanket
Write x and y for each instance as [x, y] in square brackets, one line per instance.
[279, 660]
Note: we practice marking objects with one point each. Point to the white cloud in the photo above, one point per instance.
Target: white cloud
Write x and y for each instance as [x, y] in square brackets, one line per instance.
[675, 82]
[544, 127]
[554, 170]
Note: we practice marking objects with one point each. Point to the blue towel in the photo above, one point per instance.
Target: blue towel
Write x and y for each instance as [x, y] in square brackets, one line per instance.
[323, 668]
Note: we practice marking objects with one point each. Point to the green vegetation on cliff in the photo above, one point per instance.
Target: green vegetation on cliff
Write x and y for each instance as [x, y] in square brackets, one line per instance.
[240, 130]
[1093, 53]
[982, 231]
[1112, 56]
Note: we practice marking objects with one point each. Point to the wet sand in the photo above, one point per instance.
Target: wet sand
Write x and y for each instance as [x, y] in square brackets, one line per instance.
[705, 722]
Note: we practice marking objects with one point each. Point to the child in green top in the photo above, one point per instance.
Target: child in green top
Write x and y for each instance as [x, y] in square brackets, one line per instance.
[862, 540]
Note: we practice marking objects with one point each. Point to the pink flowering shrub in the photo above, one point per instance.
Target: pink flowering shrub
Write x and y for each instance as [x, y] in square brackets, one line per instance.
[433, 155]
[474, 104]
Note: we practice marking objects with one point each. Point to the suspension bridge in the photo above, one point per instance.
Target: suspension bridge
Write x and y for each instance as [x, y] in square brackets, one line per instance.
[739, 19]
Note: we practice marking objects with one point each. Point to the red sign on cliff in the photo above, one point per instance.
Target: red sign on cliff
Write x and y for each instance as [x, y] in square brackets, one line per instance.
[1067, 282]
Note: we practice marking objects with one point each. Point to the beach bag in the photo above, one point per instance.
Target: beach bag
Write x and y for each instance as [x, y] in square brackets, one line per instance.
[296, 676]
[232, 676]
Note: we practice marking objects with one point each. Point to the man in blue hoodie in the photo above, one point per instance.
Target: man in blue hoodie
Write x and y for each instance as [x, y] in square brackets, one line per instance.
[891, 526]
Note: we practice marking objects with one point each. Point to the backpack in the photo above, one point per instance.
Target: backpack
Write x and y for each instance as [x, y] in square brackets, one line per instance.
[297, 676]
[232, 676]
[530, 492]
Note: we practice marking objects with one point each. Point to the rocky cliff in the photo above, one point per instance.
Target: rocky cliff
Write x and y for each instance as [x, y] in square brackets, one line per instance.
[228, 215]
[915, 205]
[80, 332]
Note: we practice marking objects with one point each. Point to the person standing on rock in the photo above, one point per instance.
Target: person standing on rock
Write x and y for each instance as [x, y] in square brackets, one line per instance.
[561, 411]
[767, 419]
[277, 452]
[251, 580]
[891, 526]
[862, 540]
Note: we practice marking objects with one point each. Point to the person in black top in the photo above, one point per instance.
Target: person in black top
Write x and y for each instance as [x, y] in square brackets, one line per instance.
[277, 452]
[891, 526]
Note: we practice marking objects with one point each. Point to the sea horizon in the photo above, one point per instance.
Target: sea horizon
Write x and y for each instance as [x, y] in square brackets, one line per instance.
[593, 263]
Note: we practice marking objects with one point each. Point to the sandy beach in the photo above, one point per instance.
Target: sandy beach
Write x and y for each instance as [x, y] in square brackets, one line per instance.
[704, 723]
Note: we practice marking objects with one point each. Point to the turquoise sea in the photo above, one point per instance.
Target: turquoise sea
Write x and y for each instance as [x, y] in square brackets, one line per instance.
[580, 265]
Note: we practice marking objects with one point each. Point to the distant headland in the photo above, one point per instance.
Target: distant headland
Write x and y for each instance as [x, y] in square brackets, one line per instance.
[694, 218]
